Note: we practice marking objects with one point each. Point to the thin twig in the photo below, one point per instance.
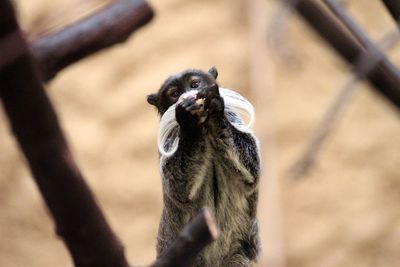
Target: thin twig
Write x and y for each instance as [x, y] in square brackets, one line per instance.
[194, 237]
[359, 34]
[336, 108]
[383, 79]
[353, 27]
[78, 219]
[112, 24]
[342, 98]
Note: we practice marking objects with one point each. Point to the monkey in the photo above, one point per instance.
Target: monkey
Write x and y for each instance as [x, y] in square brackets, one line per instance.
[208, 158]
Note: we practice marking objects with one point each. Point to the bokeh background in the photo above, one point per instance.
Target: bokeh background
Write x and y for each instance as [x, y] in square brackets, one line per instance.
[344, 212]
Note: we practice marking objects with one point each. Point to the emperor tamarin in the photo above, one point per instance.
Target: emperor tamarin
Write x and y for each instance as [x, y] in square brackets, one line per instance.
[208, 157]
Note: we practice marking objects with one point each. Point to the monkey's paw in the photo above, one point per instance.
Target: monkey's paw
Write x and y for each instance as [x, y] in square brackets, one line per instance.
[214, 103]
[190, 111]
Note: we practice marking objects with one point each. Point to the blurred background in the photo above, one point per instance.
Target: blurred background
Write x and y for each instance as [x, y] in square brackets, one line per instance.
[344, 212]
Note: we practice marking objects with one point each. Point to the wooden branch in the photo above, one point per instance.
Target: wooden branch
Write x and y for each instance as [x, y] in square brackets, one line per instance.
[78, 219]
[384, 79]
[358, 33]
[113, 24]
[324, 128]
[201, 231]
[350, 25]
[394, 8]
[11, 48]
[336, 108]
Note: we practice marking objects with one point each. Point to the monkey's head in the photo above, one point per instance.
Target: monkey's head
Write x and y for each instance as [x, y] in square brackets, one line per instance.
[180, 83]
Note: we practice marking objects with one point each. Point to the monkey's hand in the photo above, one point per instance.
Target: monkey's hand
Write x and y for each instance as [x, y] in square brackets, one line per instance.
[189, 112]
[214, 103]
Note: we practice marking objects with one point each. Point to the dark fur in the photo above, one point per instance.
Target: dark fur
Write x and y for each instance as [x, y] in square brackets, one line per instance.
[215, 165]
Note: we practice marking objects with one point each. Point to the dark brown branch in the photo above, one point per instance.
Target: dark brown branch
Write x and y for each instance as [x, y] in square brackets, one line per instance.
[193, 238]
[394, 8]
[383, 79]
[358, 33]
[111, 25]
[351, 25]
[11, 48]
[336, 109]
[79, 221]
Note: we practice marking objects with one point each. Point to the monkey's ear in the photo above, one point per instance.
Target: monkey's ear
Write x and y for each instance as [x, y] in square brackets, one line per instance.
[214, 72]
[152, 99]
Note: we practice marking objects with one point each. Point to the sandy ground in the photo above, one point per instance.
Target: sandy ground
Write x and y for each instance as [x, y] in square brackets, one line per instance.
[345, 212]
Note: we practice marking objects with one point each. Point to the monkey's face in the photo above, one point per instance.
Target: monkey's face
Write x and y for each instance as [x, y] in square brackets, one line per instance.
[180, 83]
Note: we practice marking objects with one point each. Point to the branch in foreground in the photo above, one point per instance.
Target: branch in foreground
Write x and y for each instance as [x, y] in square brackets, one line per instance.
[358, 33]
[111, 25]
[383, 79]
[342, 98]
[336, 108]
[201, 231]
[79, 220]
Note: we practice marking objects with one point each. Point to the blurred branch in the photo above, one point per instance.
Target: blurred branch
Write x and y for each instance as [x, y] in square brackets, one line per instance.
[340, 13]
[78, 219]
[337, 106]
[112, 24]
[394, 8]
[359, 34]
[324, 128]
[363, 66]
[384, 79]
[201, 231]
[12, 47]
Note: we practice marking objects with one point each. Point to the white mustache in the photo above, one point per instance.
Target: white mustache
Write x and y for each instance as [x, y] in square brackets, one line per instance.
[237, 110]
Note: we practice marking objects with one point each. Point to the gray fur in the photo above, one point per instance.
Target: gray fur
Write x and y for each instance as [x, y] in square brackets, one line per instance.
[216, 166]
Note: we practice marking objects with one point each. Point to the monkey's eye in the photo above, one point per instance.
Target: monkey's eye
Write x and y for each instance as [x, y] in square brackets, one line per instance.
[174, 93]
[195, 84]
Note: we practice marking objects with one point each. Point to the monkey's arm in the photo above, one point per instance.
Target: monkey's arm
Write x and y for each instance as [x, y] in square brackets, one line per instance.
[184, 171]
[238, 150]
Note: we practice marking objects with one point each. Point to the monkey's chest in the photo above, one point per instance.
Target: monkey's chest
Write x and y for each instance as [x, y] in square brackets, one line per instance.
[224, 190]
[227, 200]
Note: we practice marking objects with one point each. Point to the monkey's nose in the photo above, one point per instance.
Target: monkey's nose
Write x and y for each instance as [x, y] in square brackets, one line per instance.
[188, 95]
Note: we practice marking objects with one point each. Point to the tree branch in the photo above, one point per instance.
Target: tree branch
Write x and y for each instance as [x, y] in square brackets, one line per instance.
[113, 24]
[201, 231]
[78, 219]
[383, 79]
[394, 8]
[336, 108]
[358, 33]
